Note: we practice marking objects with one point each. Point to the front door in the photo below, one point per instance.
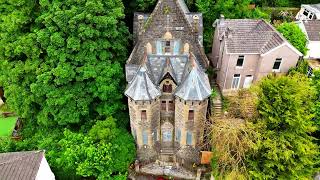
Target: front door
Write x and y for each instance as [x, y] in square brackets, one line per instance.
[248, 81]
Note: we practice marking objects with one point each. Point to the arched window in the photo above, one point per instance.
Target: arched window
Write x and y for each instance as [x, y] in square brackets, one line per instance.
[178, 135]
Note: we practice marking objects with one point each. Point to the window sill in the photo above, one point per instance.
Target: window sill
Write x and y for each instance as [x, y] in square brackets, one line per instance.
[276, 70]
[238, 67]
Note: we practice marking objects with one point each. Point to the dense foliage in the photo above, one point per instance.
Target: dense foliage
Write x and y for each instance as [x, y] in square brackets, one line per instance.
[62, 68]
[286, 149]
[294, 35]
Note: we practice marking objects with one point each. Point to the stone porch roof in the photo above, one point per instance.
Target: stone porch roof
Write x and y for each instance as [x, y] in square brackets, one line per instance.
[20, 165]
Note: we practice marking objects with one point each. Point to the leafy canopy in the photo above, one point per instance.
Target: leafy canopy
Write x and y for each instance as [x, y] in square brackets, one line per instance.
[294, 35]
[65, 65]
[286, 149]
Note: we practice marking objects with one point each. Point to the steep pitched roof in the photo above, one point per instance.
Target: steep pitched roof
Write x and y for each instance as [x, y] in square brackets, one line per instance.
[312, 28]
[141, 88]
[154, 26]
[250, 36]
[196, 85]
[20, 165]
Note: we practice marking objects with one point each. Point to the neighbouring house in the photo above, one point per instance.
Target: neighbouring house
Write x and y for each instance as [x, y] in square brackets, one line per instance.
[168, 89]
[309, 12]
[30, 165]
[311, 28]
[245, 50]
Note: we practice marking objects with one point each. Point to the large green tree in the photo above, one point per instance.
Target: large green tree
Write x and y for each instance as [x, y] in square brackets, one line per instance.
[286, 149]
[62, 60]
[294, 35]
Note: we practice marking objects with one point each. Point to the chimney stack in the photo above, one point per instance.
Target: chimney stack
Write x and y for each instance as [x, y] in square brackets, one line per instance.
[221, 20]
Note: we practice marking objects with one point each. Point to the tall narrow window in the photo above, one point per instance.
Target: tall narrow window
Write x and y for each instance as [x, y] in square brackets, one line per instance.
[240, 61]
[191, 115]
[145, 138]
[171, 106]
[189, 138]
[310, 71]
[155, 135]
[277, 64]
[167, 48]
[143, 115]
[159, 47]
[178, 135]
[163, 105]
[235, 81]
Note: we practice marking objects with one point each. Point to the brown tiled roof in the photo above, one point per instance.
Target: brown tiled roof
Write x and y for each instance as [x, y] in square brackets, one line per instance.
[20, 165]
[313, 29]
[249, 36]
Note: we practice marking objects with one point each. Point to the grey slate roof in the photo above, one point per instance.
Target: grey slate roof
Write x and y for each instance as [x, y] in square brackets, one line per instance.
[195, 87]
[312, 28]
[316, 7]
[141, 88]
[20, 165]
[249, 36]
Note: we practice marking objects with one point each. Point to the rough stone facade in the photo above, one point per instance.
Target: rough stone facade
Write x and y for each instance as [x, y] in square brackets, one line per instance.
[168, 89]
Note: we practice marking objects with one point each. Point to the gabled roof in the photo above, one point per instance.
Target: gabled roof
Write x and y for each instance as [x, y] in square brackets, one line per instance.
[141, 88]
[20, 165]
[312, 28]
[196, 85]
[249, 36]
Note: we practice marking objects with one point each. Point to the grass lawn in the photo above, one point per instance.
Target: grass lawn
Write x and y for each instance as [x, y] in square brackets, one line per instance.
[7, 125]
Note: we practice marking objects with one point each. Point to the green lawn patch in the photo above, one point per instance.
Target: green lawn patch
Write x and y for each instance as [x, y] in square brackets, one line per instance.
[7, 125]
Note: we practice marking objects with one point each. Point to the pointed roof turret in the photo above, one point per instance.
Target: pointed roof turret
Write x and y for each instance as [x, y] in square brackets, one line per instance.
[196, 85]
[141, 88]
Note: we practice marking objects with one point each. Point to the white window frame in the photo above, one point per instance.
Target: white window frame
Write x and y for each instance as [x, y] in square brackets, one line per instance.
[279, 69]
[233, 79]
[240, 67]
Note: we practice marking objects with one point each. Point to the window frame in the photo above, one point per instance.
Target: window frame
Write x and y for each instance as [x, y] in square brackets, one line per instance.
[239, 58]
[144, 137]
[189, 138]
[191, 111]
[276, 61]
[233, 80]
[178, 135]
[143, 115]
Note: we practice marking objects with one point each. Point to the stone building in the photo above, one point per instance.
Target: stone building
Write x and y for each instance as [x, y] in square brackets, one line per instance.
[168, 88]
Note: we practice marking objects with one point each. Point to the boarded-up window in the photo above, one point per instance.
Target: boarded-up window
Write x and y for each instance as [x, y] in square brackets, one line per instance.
[143, 115]
[189, 138]
[178, 135]
[167, 88]
[163, 105]
[176, 50]
[145, 138]
[191, 115]
[159, 47]
[171, 106]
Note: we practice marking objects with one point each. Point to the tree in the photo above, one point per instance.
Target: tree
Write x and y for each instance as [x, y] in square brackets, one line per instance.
[106, 153]
[294, 35]
[286, 149]
[65, 66]
[232, 140]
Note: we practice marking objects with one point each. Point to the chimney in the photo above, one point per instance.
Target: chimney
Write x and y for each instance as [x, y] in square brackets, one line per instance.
[221, 20]
[196, 23]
